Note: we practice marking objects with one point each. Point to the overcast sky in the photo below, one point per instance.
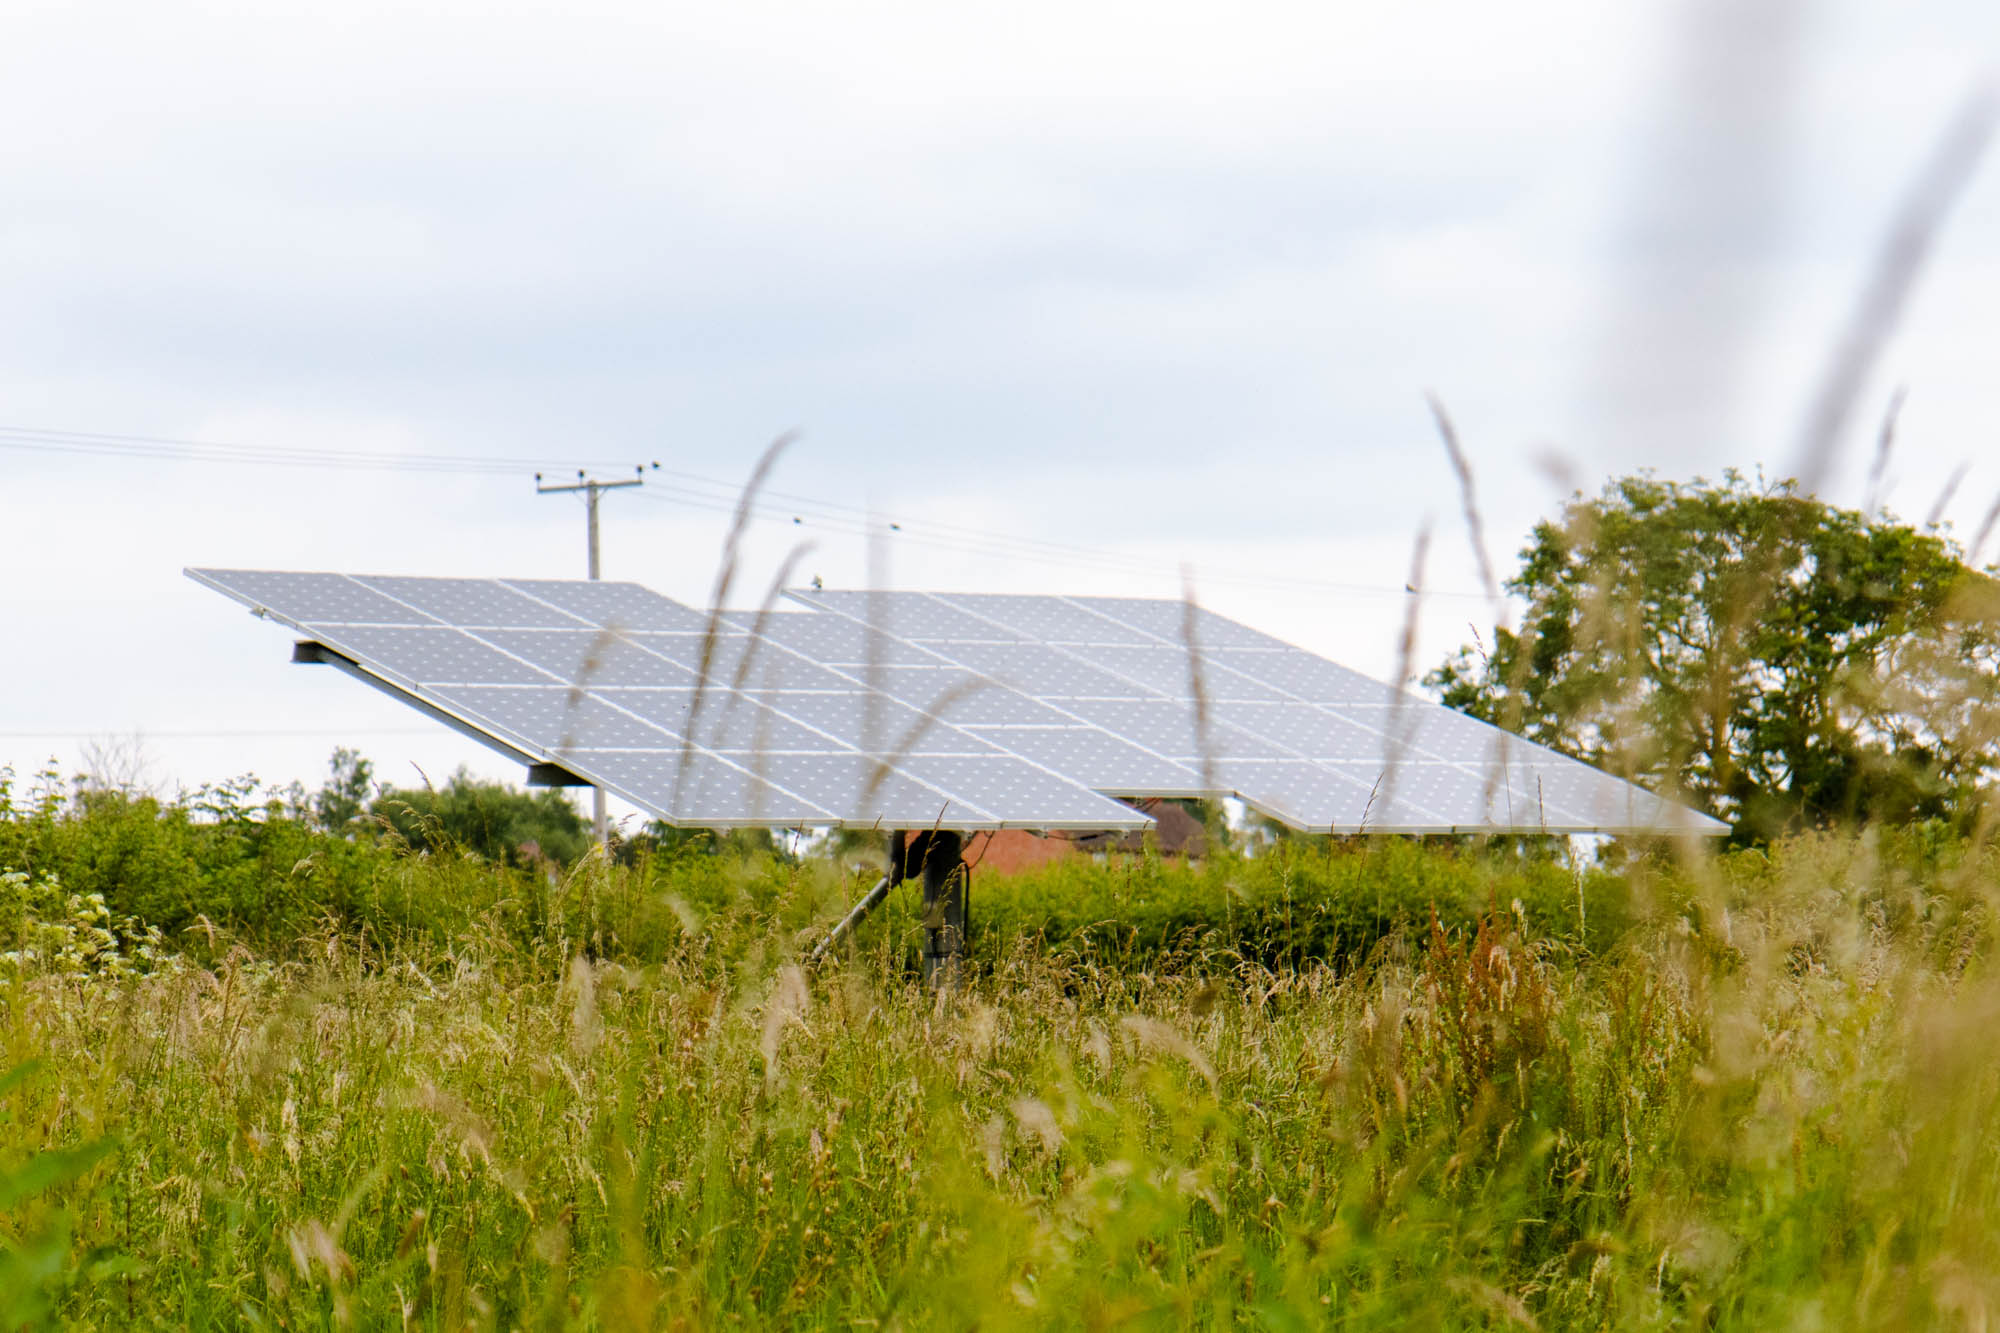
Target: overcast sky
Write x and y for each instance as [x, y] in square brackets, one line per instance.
[1079, 293]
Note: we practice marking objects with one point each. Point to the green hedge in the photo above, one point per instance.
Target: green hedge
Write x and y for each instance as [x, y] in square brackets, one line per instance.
[261, 873]
[1294, 903]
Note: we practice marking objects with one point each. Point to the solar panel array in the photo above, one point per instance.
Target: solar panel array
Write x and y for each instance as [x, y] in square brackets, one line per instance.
[918, 710]
[1130, 707]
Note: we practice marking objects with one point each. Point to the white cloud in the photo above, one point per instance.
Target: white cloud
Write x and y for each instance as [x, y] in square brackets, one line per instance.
[1164, 280]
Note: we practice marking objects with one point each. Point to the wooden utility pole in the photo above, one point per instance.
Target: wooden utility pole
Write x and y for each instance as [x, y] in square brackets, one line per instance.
[591, 490]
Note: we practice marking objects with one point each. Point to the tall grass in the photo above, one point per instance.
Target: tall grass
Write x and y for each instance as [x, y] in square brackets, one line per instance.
[1765, 1100]
[250, 1075]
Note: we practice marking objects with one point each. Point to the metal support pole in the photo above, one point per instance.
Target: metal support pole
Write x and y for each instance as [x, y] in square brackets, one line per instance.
[942, 853]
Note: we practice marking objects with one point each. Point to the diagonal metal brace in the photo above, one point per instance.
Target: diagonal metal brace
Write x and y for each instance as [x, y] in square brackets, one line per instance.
[869, 902]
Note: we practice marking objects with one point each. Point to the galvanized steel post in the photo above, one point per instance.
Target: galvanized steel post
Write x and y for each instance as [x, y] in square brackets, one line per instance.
[942, 854]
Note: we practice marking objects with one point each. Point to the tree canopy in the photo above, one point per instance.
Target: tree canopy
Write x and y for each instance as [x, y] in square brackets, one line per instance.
[1771, 658]
[344, 797]
[492, 819]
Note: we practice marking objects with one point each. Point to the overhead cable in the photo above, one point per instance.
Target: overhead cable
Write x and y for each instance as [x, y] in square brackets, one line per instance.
[690, 490]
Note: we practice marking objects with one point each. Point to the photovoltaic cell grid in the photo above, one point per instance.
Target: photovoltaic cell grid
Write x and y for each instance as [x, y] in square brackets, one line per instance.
[1300, 738]
[916, 709]
[631, 691]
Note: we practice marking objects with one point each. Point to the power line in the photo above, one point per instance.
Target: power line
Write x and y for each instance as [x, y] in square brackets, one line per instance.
[974, 542]
[170, 449]
[690, 490]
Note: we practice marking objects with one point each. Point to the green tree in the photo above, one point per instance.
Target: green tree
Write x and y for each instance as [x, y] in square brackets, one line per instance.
[1776, 660]
[661, 839]
[490, 819]
[344, 797]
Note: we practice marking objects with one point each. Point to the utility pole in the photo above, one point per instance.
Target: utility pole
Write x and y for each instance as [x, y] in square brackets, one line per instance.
[591, 489]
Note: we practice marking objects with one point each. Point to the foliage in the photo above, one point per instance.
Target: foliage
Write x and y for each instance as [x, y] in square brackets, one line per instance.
[662, 840]
[38, 1263]
[50, 930]
[225, 853]
[245, 866]
[1768, 1103]
[1296, 903]
[487, 819]
[345, 795]
[1778, 660]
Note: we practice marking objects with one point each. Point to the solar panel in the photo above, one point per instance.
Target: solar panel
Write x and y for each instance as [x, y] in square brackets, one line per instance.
[333, 599]
[1306, 796]
[917, 616]
[474, 602]
[614, 605]
[728, 658]
[1165, 622]
[596, 655]
[431, 655]
[1304, 729]
[1291, 733]
[628, 709]
[832, 641]
[710, 791]
[1098, 759]
[917, 710]
[967, 699]
[1046, 619]
[1171, 727]
[1040, 672]
[724, 722]
[1293, 675]
[872, 792]
[574, 719]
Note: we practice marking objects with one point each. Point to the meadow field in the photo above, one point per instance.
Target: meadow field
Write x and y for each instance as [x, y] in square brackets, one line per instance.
[255, 1075]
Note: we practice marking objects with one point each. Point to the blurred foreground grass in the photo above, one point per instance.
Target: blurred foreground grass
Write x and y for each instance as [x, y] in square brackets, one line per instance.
[1751, 1092]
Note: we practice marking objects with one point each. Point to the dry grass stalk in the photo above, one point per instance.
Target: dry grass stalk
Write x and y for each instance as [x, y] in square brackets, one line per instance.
[1898, 263]
[725, 579]
[1197, 680]
[1945, 495]
[1475, 523]
[1401, 716]
[1985, 531]
[579, 687]
[752, 646]
[1498, 774]
[1885, 443]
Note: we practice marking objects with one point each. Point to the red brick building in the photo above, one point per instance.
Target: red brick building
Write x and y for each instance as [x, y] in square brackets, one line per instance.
[1175, 832]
